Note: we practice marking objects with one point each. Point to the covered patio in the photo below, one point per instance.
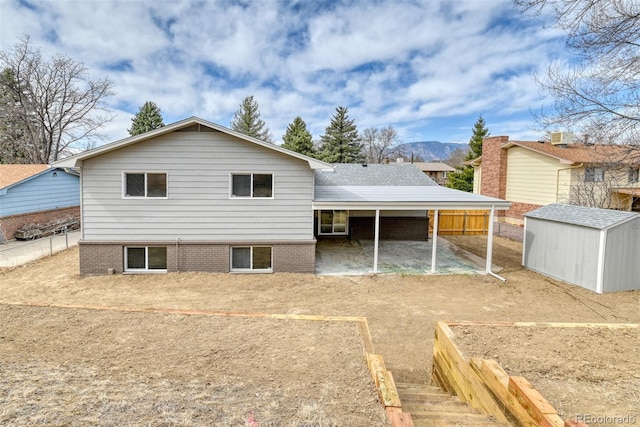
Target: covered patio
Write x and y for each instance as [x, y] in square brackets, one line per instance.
[396, 198]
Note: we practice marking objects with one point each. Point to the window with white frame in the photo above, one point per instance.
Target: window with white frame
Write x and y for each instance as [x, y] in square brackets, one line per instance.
[251, 258]
[634, 174]
[333, 222]
[145, 258]
[145, 184]
[252, 185]
[593, 174]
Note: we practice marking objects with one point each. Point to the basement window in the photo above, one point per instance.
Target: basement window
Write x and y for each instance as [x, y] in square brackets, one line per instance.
[145, 259]
[251, 258]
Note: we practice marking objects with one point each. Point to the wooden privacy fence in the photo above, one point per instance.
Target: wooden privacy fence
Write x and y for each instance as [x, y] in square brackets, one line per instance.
[460, 222]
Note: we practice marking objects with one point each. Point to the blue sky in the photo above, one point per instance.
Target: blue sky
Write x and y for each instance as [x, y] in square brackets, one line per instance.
[428, 68]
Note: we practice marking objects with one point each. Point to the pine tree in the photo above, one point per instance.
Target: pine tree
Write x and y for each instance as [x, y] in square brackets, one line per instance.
[462, 178]
[340, 142]
[297, 138]
[148, 118]
[247, 120]
[480, 132]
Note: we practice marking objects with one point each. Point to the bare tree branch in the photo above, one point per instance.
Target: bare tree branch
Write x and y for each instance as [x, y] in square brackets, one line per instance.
[49, 105]
[599, 90]
[380, 144]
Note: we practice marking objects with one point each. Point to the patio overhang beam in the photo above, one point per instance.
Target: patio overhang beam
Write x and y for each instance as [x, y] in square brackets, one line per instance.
[394, 206]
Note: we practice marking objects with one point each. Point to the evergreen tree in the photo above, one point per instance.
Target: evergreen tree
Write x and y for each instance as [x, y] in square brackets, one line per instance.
[148, 118]
[462, 178]
[297, 138]
[247, 120]
[480, 132]
[340, 142]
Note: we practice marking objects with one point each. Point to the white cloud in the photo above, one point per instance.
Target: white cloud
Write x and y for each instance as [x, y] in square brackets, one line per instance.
[414, 65]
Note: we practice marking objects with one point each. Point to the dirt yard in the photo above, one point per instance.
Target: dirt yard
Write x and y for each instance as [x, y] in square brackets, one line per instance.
[401, 309]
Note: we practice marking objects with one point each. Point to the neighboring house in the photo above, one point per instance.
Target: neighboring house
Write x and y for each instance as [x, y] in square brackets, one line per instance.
[36, 194]
[437, 171]
[196, 196]
[531, 174]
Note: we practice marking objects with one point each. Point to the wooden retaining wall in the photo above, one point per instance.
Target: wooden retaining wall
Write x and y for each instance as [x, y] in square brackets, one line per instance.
[452, 222]
[486, 386]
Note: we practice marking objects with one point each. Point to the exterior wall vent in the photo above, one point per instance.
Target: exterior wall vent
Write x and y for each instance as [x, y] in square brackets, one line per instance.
[561, 138]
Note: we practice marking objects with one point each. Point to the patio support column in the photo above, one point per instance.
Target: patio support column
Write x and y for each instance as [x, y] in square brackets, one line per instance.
[490, 242]
[376, 238]
[435, 241]
[490, 246]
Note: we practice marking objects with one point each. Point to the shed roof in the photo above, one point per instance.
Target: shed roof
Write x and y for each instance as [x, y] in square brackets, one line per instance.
[12, 174]
[583, 216]
[355, 174]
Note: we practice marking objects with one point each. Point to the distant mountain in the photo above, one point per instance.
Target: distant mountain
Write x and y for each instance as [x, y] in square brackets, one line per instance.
[430, 151]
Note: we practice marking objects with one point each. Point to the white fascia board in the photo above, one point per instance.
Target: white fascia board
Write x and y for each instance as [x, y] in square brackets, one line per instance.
[354, 206]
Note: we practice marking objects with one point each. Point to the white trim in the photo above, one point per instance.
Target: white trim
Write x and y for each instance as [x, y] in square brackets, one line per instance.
[145, 197]
[376, 239]
[406, 206]
[434, 245]
[600, 272]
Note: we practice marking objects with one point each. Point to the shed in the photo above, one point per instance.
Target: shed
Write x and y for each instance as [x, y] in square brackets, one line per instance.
[596, 249]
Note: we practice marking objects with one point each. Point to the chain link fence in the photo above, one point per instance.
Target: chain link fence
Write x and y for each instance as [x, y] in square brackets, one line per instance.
[17, 252]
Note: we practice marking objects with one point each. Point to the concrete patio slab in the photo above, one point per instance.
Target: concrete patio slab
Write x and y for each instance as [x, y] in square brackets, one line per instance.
[355, 257]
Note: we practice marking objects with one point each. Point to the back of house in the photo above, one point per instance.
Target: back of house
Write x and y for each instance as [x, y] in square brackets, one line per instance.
[194, 196]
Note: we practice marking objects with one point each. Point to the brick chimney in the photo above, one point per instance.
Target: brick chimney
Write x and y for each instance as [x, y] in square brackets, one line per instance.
[494, 167]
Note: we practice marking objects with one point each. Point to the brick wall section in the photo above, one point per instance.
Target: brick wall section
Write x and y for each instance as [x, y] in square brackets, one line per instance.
[10, 224]
[96, 258]
[494, 167]
[294, 258]
[391, 228]
[517, 210]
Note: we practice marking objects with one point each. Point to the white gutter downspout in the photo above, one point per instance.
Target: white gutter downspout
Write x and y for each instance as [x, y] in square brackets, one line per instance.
[435, 241]
[376, 238]
[600, 277]
[558, 179]
[490, 247]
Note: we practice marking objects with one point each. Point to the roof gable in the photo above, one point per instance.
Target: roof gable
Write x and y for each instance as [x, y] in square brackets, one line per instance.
[193, 123]
[12, 174]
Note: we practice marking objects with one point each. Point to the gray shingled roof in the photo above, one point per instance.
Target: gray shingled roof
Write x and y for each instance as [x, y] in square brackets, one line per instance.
[372, 175]
[580, 215]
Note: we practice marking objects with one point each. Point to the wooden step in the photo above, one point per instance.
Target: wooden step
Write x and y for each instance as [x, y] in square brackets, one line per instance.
[431, 406]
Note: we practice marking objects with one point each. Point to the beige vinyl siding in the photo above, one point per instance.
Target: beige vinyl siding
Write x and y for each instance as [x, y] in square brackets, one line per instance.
[531, 177]
[477, 179]
[198, 206]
